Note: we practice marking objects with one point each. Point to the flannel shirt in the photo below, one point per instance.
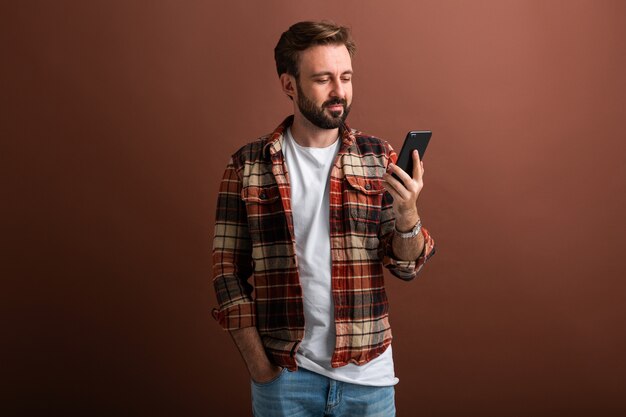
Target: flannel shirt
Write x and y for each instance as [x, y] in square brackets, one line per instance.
[254, 237]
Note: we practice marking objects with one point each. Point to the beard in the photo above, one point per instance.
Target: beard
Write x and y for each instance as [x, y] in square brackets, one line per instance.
[317, 116]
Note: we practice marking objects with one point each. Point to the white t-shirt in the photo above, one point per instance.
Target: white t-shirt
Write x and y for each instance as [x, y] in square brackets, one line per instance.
[309, 176]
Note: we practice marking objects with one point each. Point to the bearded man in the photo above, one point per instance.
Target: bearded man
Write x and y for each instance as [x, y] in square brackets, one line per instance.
[307, 219]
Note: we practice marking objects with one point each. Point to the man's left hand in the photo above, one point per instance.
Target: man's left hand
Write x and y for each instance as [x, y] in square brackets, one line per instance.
[405, 193]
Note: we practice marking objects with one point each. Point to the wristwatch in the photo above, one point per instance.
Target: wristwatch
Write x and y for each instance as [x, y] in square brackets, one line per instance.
[410, 233]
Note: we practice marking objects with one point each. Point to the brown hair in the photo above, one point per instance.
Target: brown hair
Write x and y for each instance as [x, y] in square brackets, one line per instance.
[304, 35]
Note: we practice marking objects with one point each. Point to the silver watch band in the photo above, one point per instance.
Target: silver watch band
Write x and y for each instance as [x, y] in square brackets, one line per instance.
[410, 233]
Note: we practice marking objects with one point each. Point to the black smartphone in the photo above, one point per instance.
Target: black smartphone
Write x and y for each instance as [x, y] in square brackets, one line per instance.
[415, 139]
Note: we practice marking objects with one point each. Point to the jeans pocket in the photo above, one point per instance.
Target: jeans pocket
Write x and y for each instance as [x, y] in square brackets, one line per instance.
[271, 381]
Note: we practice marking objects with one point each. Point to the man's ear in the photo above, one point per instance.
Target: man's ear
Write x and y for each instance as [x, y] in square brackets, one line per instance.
[288, 83]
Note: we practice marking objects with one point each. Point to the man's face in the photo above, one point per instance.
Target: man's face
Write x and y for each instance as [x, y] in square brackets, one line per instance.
[324, 87]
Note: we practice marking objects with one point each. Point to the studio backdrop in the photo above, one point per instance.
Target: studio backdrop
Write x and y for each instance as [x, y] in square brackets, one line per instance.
[118, 119]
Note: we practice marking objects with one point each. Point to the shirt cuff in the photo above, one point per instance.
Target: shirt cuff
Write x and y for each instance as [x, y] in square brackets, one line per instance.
[236, 316]
[407, 270]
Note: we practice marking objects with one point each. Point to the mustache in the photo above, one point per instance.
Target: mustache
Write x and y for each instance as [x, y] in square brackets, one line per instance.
[334, 101]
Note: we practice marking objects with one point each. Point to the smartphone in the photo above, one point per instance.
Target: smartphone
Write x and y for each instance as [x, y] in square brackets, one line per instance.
[415, 139]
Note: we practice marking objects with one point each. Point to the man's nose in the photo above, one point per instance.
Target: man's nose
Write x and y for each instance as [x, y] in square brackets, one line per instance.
[337, 89]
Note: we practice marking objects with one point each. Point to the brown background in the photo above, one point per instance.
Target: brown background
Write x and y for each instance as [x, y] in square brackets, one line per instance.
[118, 119]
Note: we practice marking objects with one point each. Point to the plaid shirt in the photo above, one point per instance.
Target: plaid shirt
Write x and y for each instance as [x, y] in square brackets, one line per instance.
[254, 236]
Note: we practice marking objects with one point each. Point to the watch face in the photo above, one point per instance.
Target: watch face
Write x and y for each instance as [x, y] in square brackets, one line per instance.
[411, 233]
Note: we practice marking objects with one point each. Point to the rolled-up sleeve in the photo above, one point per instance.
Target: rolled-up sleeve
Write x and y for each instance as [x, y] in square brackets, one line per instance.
[232, 260]
[405, 270]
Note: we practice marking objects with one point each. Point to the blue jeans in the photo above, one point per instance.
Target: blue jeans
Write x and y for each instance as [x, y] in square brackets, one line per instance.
[307, 394]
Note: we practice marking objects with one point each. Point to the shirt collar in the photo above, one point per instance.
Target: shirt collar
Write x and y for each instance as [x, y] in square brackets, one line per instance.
[274, 142]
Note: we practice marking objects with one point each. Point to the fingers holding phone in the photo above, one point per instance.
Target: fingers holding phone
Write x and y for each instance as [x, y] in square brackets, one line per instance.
[418, 166]
[404, 187]
[415, 140]
[409, 163]
[405, 179]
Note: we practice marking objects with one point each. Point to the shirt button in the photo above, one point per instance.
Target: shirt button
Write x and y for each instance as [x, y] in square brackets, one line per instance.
[368, 186]
[262, 196]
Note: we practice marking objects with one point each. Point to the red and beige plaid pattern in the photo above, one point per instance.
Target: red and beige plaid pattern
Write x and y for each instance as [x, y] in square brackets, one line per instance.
[254, 238]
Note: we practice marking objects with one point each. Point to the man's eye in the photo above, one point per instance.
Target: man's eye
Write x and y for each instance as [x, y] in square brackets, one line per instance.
[346, 79]
[322, 80]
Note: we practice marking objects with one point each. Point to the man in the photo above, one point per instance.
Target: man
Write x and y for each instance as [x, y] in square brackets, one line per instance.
[312, 212]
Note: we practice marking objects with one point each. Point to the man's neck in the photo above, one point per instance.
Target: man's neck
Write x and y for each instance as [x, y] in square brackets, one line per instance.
[307, 134]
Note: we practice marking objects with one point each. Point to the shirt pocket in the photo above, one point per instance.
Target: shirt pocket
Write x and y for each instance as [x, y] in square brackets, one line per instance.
[362, 204]
[260, 195]
[266, 217]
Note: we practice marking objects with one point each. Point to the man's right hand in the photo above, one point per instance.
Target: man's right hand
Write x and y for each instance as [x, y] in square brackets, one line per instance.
[259, 366]
[268, 374]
